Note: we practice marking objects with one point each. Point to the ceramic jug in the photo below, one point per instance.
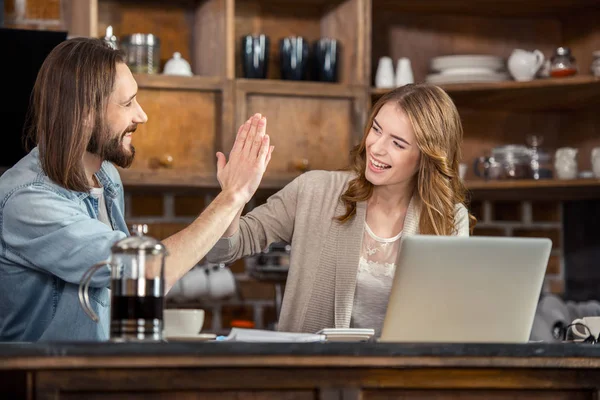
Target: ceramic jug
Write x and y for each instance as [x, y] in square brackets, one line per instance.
[565, 163]
[523, 65]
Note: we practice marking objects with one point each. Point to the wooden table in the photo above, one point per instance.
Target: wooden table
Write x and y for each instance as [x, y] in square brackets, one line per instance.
[340, 371]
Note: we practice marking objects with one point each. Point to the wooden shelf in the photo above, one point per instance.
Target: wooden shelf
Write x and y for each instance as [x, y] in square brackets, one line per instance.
[555, 189]
[196, 82]
[489, 7]
[509, 189]
[299, 88]
[576, 92]
[176, 179]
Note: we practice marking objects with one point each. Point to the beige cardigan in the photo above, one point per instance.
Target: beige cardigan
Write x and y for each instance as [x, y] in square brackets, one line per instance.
[324, 259]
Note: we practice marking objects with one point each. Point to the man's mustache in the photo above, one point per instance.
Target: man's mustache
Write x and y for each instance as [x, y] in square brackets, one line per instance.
[130, 129]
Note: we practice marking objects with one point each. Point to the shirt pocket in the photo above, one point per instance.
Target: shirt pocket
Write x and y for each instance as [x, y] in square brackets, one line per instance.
[100, 296]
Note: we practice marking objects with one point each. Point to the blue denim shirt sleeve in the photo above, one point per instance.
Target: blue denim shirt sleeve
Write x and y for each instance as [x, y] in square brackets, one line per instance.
[46, 231]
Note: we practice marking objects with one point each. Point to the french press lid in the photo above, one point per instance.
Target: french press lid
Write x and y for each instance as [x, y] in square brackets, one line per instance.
[139, 242]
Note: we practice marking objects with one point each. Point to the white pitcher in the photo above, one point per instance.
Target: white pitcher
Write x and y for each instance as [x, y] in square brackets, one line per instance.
[523, 65]
[596, 161]
[565, 163]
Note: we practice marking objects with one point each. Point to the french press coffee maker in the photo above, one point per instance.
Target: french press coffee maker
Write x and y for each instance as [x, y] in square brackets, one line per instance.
[137, 288]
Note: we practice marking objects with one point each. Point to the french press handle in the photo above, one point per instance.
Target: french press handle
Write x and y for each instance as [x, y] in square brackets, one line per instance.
[84, 297]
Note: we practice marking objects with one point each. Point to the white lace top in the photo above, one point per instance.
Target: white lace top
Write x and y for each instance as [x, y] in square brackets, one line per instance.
[376, 268]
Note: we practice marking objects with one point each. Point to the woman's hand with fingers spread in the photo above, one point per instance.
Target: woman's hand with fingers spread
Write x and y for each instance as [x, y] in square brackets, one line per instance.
[248, 160]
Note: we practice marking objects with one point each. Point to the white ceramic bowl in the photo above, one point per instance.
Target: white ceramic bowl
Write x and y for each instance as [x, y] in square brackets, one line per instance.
[182, 322]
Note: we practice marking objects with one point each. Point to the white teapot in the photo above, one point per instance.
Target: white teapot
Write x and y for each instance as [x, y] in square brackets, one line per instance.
[523, 65]
[596, 161]
[565, 163]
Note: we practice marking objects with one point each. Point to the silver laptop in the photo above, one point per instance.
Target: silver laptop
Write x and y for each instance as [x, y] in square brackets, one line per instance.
[450, 289]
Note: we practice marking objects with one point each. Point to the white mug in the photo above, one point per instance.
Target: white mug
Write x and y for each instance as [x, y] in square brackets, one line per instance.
[592, 323]
[221, 282]
[194, 285]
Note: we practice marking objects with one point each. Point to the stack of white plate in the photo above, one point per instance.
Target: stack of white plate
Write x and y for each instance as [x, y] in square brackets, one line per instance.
[467, 68]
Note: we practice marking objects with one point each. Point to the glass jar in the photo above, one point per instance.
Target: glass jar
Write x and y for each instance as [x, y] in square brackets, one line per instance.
[506, 162]
[142, 52]
[596, 63]
[562, 63]
[541, 160]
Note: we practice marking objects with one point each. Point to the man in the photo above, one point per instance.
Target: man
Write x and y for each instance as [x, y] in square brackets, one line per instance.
[62, 206]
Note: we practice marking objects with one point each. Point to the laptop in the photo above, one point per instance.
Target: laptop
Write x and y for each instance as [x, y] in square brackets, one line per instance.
[455, 289]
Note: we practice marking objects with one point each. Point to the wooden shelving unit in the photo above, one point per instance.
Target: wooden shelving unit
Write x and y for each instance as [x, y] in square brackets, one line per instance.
[201, 83]
[297, 88]
[160, 179]
[491, 8]
[571, 93]
[533, 184]
[554, 189]
[190, 118]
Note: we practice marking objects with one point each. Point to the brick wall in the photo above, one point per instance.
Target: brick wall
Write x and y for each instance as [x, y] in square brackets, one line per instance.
[526, 219]
[167, 213]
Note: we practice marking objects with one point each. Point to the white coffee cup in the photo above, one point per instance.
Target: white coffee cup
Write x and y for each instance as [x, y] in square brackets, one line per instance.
[182, 322]
[592, 323]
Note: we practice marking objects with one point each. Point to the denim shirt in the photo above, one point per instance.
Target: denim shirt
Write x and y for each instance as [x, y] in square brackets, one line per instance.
[49, 237]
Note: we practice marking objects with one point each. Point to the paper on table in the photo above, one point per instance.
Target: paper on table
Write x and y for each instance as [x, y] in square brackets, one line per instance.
[258, 335]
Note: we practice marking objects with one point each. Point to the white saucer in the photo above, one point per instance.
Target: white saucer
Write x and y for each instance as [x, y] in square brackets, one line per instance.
[347, 338]
[200, 337]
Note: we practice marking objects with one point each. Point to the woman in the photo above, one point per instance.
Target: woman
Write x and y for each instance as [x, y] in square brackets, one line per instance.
[345, 227]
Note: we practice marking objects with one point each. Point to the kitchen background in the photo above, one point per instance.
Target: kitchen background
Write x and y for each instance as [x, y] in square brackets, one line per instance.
[314, 68]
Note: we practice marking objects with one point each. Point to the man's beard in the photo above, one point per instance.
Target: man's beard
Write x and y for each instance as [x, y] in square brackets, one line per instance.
[112, 150]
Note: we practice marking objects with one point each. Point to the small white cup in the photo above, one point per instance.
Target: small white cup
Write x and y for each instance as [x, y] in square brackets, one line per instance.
[593, 324]
[596, 161]
[182, 322]
[384, 77]
[462, 170]
[404, 73]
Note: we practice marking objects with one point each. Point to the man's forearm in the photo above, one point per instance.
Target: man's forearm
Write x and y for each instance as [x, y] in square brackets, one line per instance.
[235, 224]
[187, 247]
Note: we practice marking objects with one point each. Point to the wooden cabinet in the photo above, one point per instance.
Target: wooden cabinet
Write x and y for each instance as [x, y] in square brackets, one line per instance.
[314, 125]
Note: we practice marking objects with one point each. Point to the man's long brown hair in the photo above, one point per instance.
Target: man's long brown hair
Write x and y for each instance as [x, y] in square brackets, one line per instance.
[69, 102]
[438, 132]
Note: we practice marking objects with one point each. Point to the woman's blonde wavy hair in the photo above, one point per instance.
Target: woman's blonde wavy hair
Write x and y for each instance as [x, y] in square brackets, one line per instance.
[438, 130]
